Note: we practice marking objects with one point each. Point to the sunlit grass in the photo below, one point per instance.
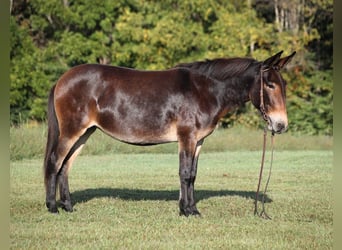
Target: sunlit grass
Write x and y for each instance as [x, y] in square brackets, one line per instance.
[29, 141]
[130, 202]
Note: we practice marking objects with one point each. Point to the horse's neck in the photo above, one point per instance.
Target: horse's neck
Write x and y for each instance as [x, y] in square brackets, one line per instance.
[234, 91]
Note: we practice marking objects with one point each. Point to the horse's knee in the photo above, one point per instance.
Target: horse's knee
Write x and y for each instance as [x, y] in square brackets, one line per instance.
[185, 173]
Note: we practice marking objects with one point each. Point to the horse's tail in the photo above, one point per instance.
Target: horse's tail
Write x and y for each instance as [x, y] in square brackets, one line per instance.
[53, 134]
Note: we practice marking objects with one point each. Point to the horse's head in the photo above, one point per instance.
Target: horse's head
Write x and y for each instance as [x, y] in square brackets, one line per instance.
[268, 93]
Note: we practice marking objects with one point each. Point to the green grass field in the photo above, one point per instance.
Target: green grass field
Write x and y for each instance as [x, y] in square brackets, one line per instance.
[130, 201]
[28, 141]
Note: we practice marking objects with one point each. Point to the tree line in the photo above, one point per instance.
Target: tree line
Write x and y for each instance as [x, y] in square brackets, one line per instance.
[50, 36]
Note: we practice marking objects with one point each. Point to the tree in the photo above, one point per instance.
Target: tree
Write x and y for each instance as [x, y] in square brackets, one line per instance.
[308, 20]
[50, 36]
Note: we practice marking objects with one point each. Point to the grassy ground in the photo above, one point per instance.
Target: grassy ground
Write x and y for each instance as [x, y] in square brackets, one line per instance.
[130, 202]
[29, 141]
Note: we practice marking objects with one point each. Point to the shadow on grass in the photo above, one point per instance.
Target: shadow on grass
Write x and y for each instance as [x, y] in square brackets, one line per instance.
[166, 195]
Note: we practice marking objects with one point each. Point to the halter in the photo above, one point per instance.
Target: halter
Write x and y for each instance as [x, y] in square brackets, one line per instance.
[263, 213]
[262, 104]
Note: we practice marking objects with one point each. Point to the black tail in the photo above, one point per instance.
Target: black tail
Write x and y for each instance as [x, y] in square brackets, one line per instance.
[53, 133]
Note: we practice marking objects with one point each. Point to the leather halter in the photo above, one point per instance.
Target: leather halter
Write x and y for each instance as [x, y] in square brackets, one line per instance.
[262, 104]
[263, 213]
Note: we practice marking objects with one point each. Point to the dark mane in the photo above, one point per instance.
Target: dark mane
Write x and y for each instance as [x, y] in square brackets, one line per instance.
[221, 68]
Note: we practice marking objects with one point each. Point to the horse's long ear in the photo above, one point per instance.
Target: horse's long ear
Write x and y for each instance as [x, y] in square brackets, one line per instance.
[269, 62]
[283, 61]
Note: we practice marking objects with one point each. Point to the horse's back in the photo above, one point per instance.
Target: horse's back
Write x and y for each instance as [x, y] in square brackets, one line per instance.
[135, 106]
[97, 75]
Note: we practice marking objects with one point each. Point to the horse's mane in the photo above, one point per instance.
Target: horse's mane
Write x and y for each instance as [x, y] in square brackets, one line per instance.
[221, 68]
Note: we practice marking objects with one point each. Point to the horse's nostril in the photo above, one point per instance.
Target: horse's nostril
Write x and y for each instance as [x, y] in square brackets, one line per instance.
[280, 127]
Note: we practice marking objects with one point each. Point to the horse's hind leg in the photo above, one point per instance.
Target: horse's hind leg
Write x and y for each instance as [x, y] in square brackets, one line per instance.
[63, 182]
[55, 160]
[63, 173]
[55, 163]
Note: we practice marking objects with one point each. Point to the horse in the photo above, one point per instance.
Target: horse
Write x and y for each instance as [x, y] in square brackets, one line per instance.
[182, 104]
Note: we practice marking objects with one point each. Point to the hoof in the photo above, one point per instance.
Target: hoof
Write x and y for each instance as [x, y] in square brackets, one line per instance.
[196, 213]
[189, 211]
[52, 207]
[66, 206]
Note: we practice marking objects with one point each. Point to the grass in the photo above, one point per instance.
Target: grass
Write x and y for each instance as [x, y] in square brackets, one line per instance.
[130, 202]
[28, 141]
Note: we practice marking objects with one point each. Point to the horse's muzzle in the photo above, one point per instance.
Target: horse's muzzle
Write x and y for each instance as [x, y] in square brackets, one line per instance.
[277, 123]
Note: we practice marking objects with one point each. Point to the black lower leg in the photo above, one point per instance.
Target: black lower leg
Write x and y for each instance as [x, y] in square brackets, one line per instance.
[188, 155]
[183, 199]
[191, 196]
[65, 193]
[191, 189]
[51, 194]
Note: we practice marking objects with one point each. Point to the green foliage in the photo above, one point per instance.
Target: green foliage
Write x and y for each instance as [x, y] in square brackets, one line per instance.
[311, 103]
[28, 82]
[50, 36]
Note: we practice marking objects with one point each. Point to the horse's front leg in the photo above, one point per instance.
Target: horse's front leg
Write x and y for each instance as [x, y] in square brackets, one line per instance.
[187, 174]
[191, 189]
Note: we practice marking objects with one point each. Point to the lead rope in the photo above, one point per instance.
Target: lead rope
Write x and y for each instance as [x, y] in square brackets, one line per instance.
[263, 213]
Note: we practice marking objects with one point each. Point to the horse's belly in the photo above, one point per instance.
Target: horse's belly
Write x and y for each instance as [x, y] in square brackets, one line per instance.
[143, 135]
[144, 139]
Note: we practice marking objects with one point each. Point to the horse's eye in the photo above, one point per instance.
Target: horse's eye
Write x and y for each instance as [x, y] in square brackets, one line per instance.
[270, 85]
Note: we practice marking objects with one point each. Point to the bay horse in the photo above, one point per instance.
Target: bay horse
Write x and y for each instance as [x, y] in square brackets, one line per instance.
[182, 104]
